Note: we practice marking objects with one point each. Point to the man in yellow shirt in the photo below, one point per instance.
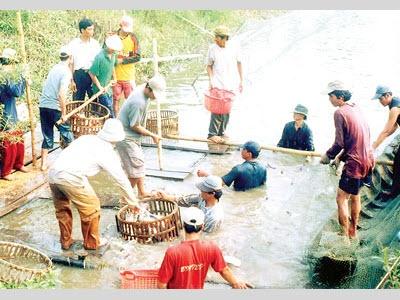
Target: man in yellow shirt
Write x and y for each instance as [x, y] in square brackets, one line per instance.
[125, 69]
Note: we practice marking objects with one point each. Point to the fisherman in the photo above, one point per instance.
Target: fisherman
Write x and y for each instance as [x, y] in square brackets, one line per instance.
[353, 136]
[185, 265]
[224, 69]
[12, 151]
[208, 201]
[52, 104]
[68, 179]
[250, 174]
[386, 98]
[125, 69]
[132, 115]
[102, 71]
[83, 50]
[296, 134]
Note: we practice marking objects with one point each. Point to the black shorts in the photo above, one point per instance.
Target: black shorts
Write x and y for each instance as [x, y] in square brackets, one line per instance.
[352, 185]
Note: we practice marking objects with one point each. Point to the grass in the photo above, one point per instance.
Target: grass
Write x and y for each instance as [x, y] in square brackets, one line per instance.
[48, 281]
[393, 282]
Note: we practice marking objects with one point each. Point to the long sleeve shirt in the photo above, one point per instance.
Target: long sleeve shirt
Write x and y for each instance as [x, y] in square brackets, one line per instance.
[9, 91]
[85, 157]
[352, 135]
[300, 139]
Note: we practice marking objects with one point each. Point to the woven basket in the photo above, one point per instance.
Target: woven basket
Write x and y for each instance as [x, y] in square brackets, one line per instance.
[147, 232]
[139, 279]
[89, 120]
[169, 122]
[14, 256]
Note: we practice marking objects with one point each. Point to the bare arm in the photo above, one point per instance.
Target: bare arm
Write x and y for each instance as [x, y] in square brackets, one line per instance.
[240, 70]
[95, 81]
[143, 131]
[389, 128]
[210, 74]
[227, 274]
[62, 98]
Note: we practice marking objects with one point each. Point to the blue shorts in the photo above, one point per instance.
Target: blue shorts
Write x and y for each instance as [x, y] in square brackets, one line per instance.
[352, 185]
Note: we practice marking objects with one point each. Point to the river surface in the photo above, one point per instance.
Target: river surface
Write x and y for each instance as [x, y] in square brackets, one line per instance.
[287, 60]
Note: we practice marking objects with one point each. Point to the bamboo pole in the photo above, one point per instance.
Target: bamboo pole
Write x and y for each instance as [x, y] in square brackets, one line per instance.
[159, 145]
[27, 85]
[86, 103]
[385, 278]
[265, 147]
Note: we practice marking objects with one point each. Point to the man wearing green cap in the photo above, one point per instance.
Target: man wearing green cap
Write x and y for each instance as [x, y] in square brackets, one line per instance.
[385, 96]
[296, 134]
[224, 69]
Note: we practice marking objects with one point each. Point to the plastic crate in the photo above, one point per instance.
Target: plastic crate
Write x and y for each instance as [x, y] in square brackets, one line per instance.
[139, 279]
[218, 101]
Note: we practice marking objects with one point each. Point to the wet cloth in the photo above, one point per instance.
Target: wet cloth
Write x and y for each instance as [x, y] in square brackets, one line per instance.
[9, 91]
[132, 158]
[57, 81]
[213, 215]
[48, 119]
[85, 157]
[133, 112]
[185, 265]
[300, 139]
[352, 135]
[11, 154]
[249, 174]
[88, 205]
[225, 74]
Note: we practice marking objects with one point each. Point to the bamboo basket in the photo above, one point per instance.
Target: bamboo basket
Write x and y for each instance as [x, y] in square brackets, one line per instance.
[89, 120]
[169, 122]
[14, 271]
[147, 232]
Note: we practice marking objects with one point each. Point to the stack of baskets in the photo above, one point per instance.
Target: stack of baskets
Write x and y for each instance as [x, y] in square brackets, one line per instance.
[89, 120]
[166, 228]
[169, 122]
[19, 263]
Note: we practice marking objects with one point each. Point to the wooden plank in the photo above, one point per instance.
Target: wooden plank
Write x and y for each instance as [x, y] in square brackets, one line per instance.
[179, 176]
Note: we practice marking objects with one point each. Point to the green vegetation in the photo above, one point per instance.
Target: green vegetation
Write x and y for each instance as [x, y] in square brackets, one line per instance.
[393, 282]
[46, 31]
[48, 281]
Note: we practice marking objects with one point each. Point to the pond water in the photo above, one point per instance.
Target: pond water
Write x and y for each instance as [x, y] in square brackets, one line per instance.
[287, 60]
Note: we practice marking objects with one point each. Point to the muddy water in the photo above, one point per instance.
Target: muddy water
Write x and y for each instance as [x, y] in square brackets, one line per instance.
[287, 60]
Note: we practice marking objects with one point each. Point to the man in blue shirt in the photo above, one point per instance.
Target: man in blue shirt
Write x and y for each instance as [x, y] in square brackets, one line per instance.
[296, 134]
[249, 174]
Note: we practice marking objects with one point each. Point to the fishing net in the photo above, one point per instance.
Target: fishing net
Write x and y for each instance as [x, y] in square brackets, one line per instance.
[336, 262]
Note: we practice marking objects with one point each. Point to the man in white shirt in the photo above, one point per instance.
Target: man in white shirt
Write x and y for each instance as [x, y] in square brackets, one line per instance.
[224, 69]
[68, 179]
[83, 50]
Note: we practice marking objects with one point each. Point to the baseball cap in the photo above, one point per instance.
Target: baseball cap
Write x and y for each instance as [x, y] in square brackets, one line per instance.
[252, 147]
[301, 109]
[336, 85]
[210, 184]
[126, 23]
[380, 90]
[158, 86]
[193, 216]
[112, 131]
[65, 51]
[113, 42]
[221, 31]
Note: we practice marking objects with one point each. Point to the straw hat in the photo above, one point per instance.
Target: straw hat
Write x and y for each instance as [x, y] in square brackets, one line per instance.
[221, 31]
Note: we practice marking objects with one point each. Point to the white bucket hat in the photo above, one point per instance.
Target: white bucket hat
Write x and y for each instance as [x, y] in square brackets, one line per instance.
[112, 131]
[126, 23]
[336, 85]
[193, 216]
[9, 53]
[158, 86]
[65, 51]
[113, 42]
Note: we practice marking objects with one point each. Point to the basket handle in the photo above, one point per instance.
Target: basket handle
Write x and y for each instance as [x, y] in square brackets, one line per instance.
[84, 104]
[128, 274]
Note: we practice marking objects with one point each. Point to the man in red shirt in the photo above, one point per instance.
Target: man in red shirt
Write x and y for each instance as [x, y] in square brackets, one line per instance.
[353, 137]
[185, 265]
